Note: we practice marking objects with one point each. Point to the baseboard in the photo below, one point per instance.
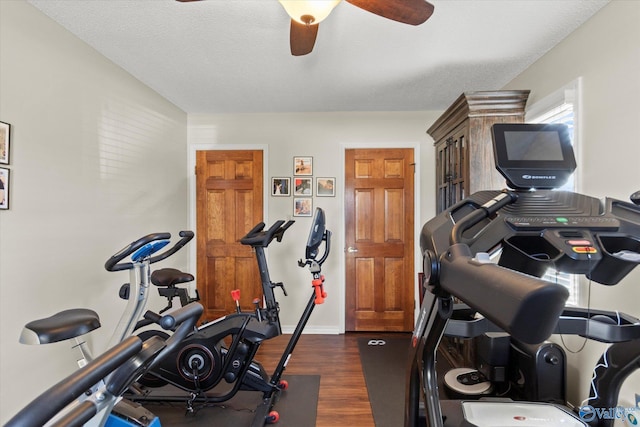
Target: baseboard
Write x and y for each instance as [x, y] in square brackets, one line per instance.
[318, 330]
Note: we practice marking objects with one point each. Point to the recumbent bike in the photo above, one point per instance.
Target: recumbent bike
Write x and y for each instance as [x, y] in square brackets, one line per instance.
[535, 227]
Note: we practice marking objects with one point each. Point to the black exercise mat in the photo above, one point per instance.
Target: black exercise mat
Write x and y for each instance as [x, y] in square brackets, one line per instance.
[297, 407]
[385, 369]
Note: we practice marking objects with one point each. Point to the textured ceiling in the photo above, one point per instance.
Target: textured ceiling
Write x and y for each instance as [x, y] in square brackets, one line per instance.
[232, 56]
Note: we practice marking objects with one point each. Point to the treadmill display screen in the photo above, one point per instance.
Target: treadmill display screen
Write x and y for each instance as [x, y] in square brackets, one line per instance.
[533, 155]
[542, 145]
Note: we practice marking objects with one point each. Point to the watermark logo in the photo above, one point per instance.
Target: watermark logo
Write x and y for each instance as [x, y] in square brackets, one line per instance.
[588, 413]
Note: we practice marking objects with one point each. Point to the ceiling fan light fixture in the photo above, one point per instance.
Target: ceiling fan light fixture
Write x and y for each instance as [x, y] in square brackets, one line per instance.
[308, 12]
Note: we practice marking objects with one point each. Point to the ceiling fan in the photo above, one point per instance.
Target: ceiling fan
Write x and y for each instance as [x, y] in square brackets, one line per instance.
[306, 15]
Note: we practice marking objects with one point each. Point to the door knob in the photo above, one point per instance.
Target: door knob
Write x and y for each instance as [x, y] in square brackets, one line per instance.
[351, 249]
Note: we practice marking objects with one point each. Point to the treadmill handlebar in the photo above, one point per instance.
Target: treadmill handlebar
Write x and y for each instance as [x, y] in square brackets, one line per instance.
[487, 210]
[526, 307]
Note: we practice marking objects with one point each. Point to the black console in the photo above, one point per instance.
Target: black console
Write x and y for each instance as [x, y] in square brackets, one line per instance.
[534, 155]
[541, 227]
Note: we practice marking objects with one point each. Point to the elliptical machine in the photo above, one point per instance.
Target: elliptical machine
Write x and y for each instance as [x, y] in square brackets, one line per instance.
[201, 363]
[535, 229]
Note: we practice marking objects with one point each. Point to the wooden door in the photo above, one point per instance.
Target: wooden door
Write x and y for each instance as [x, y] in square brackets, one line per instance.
[379, 210]
[229, 202]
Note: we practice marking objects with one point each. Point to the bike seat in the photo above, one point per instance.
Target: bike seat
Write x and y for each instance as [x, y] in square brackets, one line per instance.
[167, 277]
[61, 326]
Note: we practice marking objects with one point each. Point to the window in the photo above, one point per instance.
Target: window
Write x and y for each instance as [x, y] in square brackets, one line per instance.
[562, 106]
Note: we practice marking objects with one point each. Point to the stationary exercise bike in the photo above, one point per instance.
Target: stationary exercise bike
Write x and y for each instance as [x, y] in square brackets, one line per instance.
[92, 395]
[87, 396]
[536, 228]
[208, 370]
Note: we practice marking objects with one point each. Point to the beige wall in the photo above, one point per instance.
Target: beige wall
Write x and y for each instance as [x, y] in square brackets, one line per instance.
[97, 160]
[605, 53]
[324, 136]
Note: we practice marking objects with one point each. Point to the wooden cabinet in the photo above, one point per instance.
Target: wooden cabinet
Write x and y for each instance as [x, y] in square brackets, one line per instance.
[465, 165]
[462, 135]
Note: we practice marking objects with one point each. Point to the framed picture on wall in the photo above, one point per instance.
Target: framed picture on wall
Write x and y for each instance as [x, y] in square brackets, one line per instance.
[4, 188]
[302, 206]
[325, 187]
[280, 186]
[303, 166]
[5, 139]
[302, 186]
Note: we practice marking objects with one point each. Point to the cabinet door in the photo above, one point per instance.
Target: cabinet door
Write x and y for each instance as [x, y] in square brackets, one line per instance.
[451, 168]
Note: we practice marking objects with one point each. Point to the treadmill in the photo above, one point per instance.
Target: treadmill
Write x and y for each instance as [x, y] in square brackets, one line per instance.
[532, 226]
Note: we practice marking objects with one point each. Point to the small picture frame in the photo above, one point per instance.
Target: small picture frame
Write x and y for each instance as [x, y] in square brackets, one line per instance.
[303, 166]
[5, 184]
[303, 187]
[5, 140]
[325, 187]
[280, 186]
[302, 206]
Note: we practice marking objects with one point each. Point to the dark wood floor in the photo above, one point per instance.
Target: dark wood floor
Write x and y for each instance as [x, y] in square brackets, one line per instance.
[343, 399]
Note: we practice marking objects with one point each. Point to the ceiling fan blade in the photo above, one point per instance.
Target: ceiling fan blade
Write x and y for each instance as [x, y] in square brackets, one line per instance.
[413, 12]
[302, 37]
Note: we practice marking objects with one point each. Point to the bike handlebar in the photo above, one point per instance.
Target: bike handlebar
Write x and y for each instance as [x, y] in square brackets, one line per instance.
[257, 237]
[278, 235]
[49, 403]
[114, 264]
[121, 359]
[186, 317]
[153, 351]
[186, 236]
[171, 320]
